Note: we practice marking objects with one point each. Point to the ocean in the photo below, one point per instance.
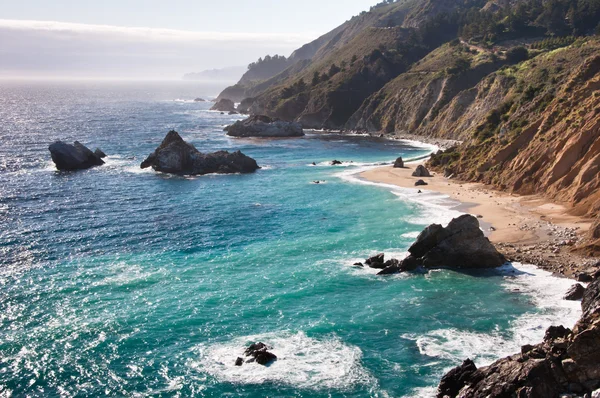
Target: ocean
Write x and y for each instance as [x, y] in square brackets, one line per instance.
[117, 281]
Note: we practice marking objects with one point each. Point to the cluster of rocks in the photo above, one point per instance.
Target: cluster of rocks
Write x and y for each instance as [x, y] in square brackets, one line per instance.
[565, 364]
[77, 156]
[460, 245]
[175, 156]
[264, 127]
[259, 353]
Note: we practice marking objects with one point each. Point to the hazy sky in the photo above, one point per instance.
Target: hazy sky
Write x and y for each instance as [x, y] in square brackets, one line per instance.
[156, 39]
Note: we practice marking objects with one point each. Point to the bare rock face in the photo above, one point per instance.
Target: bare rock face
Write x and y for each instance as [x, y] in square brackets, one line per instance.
[421, 171]
[399, 163]
[69, 157]
[175, 156]
[224, 105]
[460, 245]
[565, 363]
[264, 127]
[575, 292]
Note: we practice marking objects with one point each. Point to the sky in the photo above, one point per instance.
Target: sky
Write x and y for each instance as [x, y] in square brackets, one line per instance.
[155, 39]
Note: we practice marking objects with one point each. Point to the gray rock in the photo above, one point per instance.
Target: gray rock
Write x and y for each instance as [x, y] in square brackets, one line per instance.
[399, 164]
[224, 105]
[260, 354]
[461, 244]
[575, 292]
[69, 157]
[175, 156]
[99, 154]
[264, 127]
[421, 171]
[420, 183]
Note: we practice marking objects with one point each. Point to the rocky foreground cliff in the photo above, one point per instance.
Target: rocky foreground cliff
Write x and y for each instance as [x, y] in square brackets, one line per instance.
[566, 363]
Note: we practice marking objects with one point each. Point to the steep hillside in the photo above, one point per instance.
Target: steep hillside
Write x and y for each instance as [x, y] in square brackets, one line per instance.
[406, 14]
[540, 131]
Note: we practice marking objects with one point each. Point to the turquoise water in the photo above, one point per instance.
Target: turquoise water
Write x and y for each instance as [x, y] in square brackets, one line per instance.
[121, 282]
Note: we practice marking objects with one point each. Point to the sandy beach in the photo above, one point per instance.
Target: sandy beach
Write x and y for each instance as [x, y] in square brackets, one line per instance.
[527, 229]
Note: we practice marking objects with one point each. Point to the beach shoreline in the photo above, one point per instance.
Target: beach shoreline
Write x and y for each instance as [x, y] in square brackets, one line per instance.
[527, 229]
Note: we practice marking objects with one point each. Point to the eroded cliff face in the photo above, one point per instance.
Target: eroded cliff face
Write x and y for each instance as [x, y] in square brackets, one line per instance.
[541, 135]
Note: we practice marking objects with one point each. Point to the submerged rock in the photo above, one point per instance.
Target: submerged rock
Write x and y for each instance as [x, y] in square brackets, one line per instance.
[421, 171]
[265, 127]
[175, 156]
[399, 163]
[69, 157]
[461, 244]
[566, 363]
[224, 105]
[335, 162]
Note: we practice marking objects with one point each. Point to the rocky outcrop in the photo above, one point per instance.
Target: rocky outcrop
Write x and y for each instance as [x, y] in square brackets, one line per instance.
[575, 293]
[420, 183]
[264, 127]
[421, 171]
[259, 353]
[461, 244]
[399, 163]
[69, 157]
[175, 156]
[567, 363]
[224, 105]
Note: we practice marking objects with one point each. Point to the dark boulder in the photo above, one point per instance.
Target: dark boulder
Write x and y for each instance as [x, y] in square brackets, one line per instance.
[175, 156]
[421, 171]
[575, 292]
[264, 127]
[399, 163]
[259, 353]
[376, 261]
[461, 244]
[335, 162]
[420, 183]
[456, 379]
[239, 361]
[224, 105]
[99, 153]
[69, 157]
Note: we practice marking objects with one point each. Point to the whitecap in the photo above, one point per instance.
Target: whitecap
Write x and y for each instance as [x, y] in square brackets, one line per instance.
[547, 293]
[302, 362]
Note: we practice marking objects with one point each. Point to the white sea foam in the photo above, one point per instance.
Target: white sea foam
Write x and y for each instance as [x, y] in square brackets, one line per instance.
[302, 362]
[544, 289]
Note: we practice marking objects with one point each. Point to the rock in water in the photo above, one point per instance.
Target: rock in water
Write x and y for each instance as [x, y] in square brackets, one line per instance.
[566, 363]
[259, 353]
[265, 127]
[399, 164]
[199, 100]
[175, 156]
[575, 292]
[460, 245]
[421, 171]
[69, 157]
[98, 152]
[224, 105]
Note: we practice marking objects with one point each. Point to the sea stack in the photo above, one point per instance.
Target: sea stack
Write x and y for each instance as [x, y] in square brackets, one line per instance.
[175, 156]
[224, 105]
[69, 157]
[264, 127]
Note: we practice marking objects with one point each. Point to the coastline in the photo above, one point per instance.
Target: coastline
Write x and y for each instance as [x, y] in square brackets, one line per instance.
[527, 229]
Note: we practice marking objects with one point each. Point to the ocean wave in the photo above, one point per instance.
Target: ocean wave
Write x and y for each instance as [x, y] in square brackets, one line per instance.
[302, 362]
[484, 348]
